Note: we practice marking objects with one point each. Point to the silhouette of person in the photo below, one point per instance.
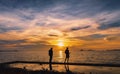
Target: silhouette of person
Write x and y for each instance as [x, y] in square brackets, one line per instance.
[50, 66]
[67, 69]
[50, 54]
[67, 55]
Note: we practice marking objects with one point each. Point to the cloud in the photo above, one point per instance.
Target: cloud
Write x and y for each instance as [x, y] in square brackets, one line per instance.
[79, 28]
[109, 5]
[111, 25]
[53, 35]
[4, 28]
[11, 43]
[108, 20]
[39, 21]
[92, 37]
[26, 4]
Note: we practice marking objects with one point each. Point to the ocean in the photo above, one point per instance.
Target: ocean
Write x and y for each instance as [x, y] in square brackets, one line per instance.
[77, 56]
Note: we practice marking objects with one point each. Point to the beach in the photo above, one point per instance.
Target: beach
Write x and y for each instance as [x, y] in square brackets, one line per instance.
[61, 68]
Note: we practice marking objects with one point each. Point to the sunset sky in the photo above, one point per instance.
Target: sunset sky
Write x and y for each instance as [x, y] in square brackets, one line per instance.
[39, 24]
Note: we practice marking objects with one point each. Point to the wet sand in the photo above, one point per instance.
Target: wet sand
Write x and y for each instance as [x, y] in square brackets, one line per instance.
[55, 68]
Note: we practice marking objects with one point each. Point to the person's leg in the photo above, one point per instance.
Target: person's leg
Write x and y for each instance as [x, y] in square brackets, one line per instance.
[65, 60]
[50, 66]
[68, 59]
[50, 59]
[67, 67]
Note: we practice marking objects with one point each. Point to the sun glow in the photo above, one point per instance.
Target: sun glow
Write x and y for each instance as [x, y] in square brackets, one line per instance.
[60, 43]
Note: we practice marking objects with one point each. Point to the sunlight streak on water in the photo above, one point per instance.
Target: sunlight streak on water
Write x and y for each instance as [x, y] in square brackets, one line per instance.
[60, 54]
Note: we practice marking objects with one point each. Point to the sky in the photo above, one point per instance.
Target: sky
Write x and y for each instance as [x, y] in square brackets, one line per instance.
[79, 24]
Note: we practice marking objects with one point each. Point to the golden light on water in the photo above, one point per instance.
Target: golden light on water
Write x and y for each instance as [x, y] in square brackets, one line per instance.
[60, 54]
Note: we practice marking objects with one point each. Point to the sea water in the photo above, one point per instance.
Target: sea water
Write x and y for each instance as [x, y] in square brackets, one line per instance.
[77, 56]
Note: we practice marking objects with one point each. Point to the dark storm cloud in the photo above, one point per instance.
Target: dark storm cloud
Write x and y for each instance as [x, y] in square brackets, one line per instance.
[78, 28]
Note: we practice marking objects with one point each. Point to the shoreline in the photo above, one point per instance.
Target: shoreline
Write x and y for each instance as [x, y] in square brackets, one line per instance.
[61, 63]
[6, 68]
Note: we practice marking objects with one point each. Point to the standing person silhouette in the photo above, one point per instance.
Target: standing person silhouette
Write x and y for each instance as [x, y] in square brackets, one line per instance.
[67, 55]
[50, 55]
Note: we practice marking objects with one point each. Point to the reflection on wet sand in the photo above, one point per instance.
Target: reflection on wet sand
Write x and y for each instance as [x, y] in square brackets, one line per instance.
[50, 66]
[69, 68]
